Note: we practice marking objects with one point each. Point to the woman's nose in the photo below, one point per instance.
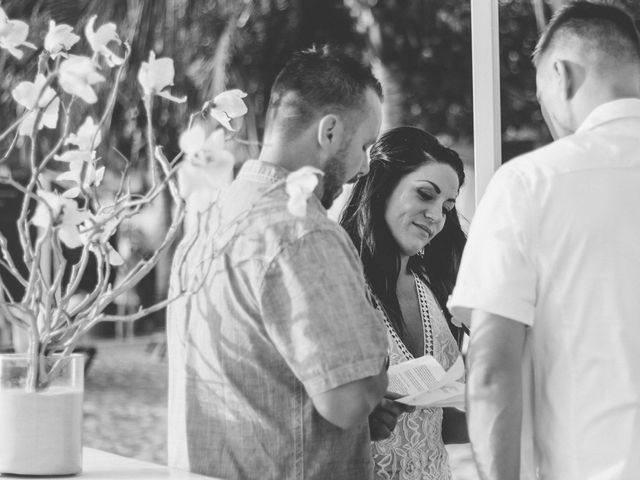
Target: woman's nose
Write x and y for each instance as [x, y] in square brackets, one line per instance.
[434, 215]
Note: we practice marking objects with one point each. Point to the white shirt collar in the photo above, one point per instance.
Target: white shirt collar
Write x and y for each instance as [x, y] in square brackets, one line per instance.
[624, 107]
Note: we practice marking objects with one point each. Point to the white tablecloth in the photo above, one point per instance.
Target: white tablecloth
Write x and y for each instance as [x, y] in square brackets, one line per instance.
[98, 464]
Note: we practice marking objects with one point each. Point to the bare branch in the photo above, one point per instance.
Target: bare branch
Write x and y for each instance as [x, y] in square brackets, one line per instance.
[114, 93]
[97, 290]
[63, 138]
[11, 147]
[35, 273]
[17, 318]
[5, 290]
[13, 126]
[10, 265]
[166, 168]
[77, 272]
[143, 267]
[125, 172]
[142, 312]
[61, 268]
[148, 105]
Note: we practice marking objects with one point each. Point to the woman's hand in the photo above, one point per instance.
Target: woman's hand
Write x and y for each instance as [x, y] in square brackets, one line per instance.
[454, 426]
[384, 417]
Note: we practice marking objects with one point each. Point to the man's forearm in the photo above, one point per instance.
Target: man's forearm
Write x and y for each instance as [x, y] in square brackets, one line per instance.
[494, 415]
[350, 404]
[494, 395]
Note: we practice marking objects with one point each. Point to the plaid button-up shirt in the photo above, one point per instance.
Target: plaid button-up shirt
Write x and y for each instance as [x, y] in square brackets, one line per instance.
[282, 314]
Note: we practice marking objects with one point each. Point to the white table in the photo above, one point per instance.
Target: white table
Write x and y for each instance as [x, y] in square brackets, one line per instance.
[98, 464]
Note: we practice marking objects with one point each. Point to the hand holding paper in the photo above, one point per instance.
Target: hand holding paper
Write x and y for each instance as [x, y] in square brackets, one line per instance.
[422, 382]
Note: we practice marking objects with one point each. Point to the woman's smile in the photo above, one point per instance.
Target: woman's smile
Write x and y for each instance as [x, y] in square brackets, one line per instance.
[424, 229]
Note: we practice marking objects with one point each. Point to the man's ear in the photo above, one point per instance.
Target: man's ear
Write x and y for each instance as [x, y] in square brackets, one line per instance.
[569, 76]
[330, 130]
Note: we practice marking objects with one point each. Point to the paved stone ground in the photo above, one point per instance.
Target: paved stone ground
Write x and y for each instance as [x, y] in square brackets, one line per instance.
[125, 408]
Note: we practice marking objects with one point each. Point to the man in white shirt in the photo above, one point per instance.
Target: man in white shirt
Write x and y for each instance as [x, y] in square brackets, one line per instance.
[550, 277]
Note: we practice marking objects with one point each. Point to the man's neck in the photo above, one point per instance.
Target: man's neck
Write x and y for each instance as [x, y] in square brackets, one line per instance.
[290, 154]
[594, 94]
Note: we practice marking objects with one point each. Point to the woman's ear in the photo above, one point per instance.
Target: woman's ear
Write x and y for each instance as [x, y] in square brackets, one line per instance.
[330, 132]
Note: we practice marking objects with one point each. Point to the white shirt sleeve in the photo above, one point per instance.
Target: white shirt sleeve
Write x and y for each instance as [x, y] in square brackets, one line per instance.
[497, 274]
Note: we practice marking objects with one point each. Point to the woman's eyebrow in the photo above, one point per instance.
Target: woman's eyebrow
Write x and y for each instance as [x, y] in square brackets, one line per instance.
[435, 187]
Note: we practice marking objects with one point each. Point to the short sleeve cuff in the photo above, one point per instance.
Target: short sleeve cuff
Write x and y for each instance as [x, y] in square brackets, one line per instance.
[461, 306]
[345, 374]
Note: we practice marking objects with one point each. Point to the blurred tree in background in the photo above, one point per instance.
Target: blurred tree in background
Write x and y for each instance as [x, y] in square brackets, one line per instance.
[420, 49]
[520, 23]
[422, 54]
[243, 43]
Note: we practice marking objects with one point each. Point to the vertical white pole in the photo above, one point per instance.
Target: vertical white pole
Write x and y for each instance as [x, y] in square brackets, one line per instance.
[486, 92]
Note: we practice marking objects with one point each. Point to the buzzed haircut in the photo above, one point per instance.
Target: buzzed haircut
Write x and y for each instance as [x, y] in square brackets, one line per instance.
[316, 81]
[610, 28]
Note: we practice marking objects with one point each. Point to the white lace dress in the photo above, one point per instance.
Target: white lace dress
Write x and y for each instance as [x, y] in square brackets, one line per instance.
[415, 450]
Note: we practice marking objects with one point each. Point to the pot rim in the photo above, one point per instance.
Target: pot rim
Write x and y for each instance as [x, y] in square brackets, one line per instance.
[26, 356]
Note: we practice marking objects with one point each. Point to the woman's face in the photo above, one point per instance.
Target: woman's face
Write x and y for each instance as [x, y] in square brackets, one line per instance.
[417, 207]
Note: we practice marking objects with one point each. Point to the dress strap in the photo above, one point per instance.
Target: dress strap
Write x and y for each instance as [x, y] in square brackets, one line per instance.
[385, 318]
[425, 314]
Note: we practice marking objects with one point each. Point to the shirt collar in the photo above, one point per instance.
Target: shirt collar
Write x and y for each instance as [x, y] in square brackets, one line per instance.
[265, 172]
[260, 171]
[614, 110]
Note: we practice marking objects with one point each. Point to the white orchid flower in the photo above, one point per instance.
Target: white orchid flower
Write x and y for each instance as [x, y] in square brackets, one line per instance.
[156, 75]
[26, 94]
[71, 156]
[13, 34]
[227, 106]
[77, 75]
[62, 214]
[84, 136]
[300, 186]
[99, 39]
[201, 150]
[77, 159]
[92, 177]
[59, 39]
[96, 231]
[207, 166]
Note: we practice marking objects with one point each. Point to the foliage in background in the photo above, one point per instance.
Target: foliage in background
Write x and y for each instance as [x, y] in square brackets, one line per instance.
[423, 53]
[421, 50]
[520, 23]
[213, 43]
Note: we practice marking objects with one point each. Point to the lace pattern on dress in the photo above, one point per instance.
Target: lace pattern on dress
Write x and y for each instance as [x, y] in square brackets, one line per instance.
[415, 450]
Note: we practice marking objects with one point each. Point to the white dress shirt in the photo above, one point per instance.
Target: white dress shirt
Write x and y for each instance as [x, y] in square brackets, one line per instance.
[555, 245]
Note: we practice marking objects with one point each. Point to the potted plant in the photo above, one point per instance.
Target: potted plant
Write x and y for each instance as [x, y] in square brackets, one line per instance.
[71, 209]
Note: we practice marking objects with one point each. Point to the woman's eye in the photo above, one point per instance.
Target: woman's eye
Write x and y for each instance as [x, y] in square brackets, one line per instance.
[425, 195]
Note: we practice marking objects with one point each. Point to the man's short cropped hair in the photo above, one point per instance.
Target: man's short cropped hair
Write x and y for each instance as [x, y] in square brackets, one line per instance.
[604, 25]
[317, 81]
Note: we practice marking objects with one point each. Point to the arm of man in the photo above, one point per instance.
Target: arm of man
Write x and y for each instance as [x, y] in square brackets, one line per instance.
[349, 405]
[494, 394]
[317, 315]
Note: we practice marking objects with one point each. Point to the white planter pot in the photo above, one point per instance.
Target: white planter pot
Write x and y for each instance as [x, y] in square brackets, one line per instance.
[41, 431]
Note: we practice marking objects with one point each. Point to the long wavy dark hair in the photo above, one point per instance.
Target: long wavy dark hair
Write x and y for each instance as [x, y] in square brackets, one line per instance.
[397, 153]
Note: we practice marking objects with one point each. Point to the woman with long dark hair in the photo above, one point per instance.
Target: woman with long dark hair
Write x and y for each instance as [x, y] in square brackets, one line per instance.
[403, 222]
